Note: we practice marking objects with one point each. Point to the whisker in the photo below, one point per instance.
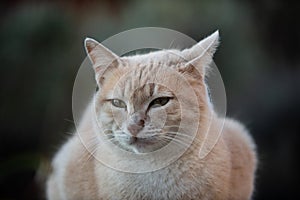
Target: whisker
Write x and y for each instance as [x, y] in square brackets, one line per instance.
[69, 120]
[92, 154]
[68, 133]
[175, 140]
[91, 147]
[171, 126]
[91, 142]
[186, 137]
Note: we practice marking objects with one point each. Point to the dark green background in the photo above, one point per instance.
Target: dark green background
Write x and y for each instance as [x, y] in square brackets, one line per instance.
[41, 49]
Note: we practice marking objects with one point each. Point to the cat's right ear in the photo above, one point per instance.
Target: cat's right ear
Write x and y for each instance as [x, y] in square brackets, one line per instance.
[100, 56]
[201, 55]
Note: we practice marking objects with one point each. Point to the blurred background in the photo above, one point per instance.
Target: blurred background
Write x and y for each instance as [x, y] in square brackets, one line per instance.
[41, 49]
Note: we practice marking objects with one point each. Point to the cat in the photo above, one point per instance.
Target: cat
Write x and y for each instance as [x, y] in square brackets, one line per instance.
[139, 109]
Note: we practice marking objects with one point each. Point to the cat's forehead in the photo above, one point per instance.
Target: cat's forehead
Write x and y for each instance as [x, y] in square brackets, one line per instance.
[153, 67]
[144, 76]
[166, 57]
[143, 81]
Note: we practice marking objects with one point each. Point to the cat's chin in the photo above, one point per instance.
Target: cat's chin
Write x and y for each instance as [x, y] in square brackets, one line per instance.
[140, 145]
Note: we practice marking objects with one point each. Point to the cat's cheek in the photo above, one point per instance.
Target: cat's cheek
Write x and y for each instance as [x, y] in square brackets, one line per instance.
[119, 116]
[158, 117]
[103, 118]
[174, 114]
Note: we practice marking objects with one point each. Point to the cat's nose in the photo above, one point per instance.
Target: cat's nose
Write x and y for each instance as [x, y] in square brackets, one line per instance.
[134, 129]
[140, 122]
[138, 119]
[136, 123]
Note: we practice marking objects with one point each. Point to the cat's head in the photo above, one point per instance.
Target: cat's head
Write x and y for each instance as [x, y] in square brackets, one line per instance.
[142, 98]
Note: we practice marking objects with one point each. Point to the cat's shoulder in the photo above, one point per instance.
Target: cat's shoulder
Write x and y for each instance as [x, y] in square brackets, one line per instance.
[65, 152]
[239, 142]
[234, 132]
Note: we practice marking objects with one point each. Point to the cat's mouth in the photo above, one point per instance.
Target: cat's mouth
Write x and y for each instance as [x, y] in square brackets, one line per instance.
[140, 141]
[138, 144]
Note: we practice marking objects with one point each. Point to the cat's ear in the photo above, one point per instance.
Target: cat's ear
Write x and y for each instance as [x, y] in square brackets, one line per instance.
[100, 56]
[201, 54]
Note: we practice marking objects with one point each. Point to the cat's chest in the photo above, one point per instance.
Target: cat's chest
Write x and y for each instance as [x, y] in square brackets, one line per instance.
[169, 183]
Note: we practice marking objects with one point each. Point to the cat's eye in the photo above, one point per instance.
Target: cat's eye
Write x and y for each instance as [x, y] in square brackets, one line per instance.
[118, 103]
[161, 101]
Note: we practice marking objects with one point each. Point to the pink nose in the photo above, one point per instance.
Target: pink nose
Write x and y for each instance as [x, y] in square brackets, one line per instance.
[136, 123]
[134, 129]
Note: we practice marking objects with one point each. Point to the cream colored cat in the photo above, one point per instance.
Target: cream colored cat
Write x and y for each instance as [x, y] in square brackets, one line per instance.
[146, 106]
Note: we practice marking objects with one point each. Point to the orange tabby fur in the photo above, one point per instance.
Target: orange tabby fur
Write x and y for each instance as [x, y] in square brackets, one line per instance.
[226, 173]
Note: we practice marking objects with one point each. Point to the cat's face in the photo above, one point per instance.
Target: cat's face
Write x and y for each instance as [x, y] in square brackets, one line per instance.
[140, 103]
[138, 109]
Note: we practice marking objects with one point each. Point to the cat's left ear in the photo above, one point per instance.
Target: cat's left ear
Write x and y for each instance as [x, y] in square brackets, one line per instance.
[100, 56]
[201, 54]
